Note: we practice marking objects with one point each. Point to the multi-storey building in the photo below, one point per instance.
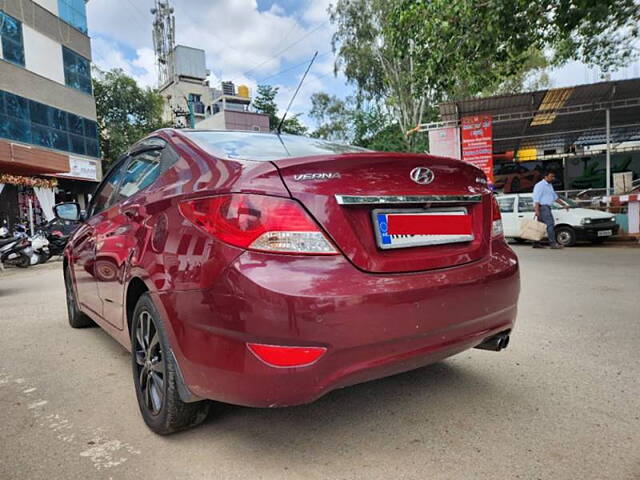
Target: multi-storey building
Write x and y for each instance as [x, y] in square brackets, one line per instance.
[47, 109]
[186, 87]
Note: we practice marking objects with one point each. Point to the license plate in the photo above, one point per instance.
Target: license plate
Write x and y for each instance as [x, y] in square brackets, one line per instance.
[605, 233]
[417, 228]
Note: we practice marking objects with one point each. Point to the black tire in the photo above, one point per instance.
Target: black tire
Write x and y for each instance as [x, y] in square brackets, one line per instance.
[155, 375]
[518, 240]
[77, 319]
[565, 236]
[24, 262]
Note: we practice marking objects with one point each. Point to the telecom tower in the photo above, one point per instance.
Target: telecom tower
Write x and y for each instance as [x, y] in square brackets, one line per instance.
[164, 38]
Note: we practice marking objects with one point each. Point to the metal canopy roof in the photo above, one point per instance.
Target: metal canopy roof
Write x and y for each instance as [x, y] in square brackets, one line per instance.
[555, 119]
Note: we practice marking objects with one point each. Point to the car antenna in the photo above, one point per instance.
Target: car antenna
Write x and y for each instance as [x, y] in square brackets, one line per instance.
[279, 129]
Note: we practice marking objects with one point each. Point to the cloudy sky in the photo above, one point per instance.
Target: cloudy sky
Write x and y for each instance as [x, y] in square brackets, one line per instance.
[247, 41]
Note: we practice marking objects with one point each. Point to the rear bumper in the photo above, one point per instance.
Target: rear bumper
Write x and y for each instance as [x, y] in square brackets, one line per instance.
[372, 325]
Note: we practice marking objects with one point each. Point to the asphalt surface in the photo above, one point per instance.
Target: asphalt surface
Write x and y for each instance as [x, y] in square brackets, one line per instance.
[562, 402]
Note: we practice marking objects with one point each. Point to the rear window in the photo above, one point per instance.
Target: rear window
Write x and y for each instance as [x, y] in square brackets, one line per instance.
[265, 146]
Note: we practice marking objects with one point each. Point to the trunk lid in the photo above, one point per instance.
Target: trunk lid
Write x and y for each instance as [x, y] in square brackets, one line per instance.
[340, 193]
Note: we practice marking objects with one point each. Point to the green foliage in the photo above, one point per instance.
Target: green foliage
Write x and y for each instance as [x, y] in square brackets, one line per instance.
[265, 102]
[333, 116]
[413, 54]
[360, 123]
[126, 112]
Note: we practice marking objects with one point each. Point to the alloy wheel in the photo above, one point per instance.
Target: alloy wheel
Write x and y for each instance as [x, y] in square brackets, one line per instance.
[564, 238]
[150, 365]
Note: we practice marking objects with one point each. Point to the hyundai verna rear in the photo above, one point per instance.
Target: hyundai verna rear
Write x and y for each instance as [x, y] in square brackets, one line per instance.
[267, 270]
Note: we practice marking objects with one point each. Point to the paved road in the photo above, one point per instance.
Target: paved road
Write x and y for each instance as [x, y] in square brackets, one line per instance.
[563, 402]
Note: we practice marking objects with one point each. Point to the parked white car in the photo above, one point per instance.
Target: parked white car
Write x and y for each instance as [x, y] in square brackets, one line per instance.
[571, 225]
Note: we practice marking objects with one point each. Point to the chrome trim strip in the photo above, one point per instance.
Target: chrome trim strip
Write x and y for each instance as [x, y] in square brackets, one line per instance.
[400, 199]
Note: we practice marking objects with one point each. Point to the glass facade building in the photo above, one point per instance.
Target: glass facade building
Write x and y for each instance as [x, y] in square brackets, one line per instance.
[74, 13]
[11, 39]
[28, 121]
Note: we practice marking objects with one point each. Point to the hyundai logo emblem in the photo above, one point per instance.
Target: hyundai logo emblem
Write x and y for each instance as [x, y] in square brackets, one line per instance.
[422, 175]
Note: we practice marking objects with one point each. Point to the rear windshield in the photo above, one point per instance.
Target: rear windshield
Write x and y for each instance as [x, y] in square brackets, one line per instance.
[265, 146]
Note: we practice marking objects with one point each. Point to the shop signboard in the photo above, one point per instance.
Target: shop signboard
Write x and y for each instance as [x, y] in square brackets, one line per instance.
[445, 142]
[477, 143]
[82, 168]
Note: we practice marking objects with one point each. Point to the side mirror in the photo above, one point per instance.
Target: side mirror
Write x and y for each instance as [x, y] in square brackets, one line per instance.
[68, 211]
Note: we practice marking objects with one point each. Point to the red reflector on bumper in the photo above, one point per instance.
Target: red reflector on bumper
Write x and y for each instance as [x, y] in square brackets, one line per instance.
[281, 356]
[429, 224]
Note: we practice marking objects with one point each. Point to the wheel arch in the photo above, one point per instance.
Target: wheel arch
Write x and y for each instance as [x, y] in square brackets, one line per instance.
[565, 225]
[135, 289]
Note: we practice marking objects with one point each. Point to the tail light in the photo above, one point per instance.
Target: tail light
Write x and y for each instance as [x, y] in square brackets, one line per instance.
[284, 356]
[496, 219]
[258, 222]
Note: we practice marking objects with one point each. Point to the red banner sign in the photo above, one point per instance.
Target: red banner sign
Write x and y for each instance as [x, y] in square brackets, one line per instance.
[477, 143]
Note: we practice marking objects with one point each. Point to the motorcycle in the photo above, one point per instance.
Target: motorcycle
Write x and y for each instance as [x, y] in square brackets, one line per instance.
[15, 249]
[40, 246]
[57, 232]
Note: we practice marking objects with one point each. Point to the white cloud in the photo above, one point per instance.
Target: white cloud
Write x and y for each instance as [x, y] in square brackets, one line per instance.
[242, 43]
[107, 56]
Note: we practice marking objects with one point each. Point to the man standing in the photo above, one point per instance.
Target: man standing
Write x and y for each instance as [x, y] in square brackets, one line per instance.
[543, 197]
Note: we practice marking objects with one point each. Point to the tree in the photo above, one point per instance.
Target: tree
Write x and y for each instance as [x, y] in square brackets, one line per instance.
[126, 112]
[333, 116]
[265, 102]
[358, 122]
[413, 54]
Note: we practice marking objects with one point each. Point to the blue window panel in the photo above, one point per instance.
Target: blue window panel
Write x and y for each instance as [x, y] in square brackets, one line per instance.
[76, 124]
[11, 39]
[74, 13]
[41, 136]
[4, 126]
[93, 148]
[16, 106]
[58, 119]
[76, 144]
[13, 52]
[50, 138]
[39, 113]
[77, 70]
[85, 84]
[33, 122]
[90, 128]
[64, 11]
[11, 28]
[19, 130]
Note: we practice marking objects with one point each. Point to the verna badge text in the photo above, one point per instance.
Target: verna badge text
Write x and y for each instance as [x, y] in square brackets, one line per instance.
[316, 176]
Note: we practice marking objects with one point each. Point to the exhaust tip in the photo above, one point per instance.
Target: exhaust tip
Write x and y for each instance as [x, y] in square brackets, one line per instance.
[496, 342]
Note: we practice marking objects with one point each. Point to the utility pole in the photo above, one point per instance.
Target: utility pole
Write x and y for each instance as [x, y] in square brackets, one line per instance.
[192, 121]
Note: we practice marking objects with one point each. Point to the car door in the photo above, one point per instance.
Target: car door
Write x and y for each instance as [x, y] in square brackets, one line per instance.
[510, 222]
[117, 236]
[84, 241]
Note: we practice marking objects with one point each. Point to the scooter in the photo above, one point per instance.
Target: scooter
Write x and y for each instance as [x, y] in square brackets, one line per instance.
[15, 249]
[40, 247]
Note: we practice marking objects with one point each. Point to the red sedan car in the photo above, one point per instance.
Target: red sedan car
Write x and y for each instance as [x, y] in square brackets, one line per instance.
[267, 270]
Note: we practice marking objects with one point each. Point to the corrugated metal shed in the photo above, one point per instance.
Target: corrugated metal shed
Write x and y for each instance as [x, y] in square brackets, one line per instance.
[564, 118]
